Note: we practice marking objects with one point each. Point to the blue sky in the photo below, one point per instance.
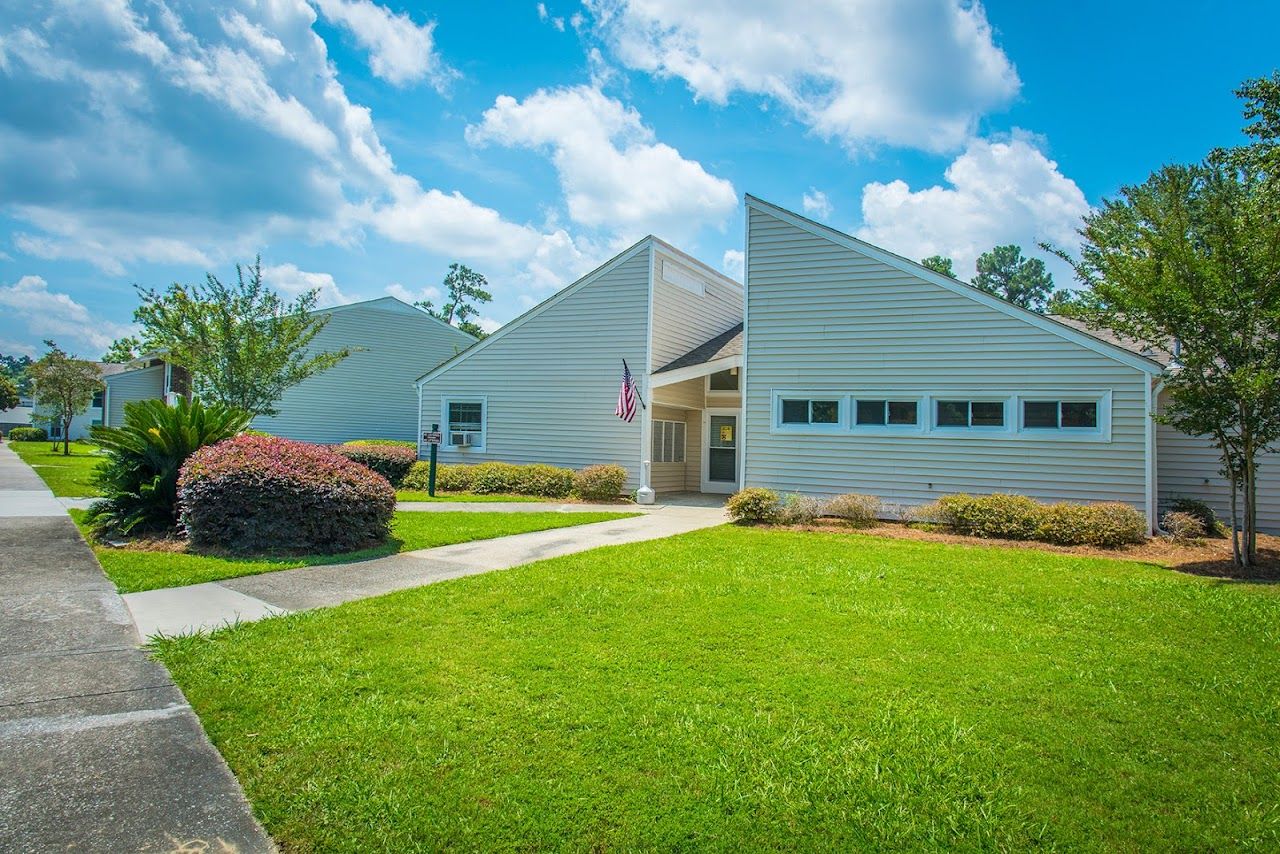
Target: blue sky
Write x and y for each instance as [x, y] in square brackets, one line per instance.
[362, 146]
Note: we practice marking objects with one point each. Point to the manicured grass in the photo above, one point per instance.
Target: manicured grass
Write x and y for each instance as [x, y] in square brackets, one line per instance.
[133, 570]
[68, 477]
[468, 497]
[740, 689]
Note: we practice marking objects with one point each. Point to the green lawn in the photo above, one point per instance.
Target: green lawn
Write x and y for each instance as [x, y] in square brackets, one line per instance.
[133, 570]
[742, 689]
[467, 497]
[68, 477]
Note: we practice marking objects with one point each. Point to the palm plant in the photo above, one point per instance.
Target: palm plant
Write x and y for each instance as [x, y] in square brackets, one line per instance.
[139, 479]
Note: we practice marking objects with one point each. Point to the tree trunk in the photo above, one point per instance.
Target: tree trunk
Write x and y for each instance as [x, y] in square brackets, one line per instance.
[66, 436]
[1235, 526]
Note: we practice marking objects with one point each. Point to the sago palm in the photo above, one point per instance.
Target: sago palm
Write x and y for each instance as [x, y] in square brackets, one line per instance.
[139, 479]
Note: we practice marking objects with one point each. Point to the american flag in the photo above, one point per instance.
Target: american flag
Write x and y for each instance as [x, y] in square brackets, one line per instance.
[626, 395]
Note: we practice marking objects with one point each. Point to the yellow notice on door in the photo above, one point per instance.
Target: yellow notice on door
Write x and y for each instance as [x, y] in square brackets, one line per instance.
[726, 433]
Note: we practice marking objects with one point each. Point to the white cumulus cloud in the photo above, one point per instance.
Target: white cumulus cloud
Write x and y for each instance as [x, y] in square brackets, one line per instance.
[915, 73]
[290, 281]
[997, 192]
[400, 51]
[614, 173]
[734, 263]
[56, 316]
[816, 204]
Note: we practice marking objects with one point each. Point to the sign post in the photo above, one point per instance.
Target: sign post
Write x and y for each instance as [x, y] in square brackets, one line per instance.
[432, 439]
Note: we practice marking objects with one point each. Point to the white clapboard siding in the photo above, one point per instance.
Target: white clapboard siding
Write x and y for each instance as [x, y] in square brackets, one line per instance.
[372, 393]
[550, 380]
[682, 318]
[825, 317]
[1189, 466]
[142, 384]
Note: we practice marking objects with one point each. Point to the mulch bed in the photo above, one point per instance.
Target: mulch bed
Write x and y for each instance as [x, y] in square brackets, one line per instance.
[1209, 557]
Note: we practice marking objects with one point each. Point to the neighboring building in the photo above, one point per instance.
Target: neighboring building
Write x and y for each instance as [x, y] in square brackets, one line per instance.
[370, 394]
[38, 416]
[846, 369]
[18, 416]
[543, 388]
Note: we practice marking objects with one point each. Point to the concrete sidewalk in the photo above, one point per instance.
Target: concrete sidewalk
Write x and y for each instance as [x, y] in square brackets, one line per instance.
[202, 607]
[99, 750]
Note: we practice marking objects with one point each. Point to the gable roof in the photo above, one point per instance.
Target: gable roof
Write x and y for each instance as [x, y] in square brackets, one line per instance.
[724, 345]
[1087, 339]
[559, 296]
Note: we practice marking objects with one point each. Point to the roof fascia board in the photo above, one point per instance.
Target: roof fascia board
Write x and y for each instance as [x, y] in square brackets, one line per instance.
[910, 267]
[549, 302]
[693, 372]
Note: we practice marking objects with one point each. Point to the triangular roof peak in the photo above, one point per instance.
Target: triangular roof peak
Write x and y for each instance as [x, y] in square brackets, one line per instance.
[920, 271]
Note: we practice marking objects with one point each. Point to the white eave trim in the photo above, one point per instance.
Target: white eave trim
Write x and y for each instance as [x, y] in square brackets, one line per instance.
[693, 372]
[910, 267]
[538, 309]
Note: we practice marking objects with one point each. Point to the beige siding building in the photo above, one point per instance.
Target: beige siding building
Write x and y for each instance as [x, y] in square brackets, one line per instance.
[544, 387]
[368, 395]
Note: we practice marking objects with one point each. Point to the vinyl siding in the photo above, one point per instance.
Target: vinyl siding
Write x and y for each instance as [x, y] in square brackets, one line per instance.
[371, 394]
[142, 384]
[686, 395]
[551, 383]
[682, 319]
[824, 317]
[1189, 466]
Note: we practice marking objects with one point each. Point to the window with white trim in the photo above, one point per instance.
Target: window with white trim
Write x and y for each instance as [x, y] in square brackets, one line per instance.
[886, 413]
[668, 441]
[1060, 415]
[465, 422]
[809, 411]
[969, 413]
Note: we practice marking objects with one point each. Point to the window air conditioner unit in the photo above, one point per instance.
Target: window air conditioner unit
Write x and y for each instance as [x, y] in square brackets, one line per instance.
[462, 440]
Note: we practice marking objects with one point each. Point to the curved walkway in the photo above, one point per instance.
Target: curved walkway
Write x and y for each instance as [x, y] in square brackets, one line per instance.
[201, 607]
[99, 750]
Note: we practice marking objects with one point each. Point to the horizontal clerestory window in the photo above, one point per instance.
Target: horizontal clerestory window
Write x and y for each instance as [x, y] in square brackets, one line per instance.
[810, 411]
[1060, 414]
[970, 413]
[886, 413]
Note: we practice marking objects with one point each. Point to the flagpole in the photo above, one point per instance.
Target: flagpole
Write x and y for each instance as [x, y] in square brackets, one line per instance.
[633, 384]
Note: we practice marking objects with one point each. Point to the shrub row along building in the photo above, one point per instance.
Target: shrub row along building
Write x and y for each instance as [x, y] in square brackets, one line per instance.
[838, 367]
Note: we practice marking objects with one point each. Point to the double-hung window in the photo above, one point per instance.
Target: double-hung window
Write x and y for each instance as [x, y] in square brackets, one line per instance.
[1059, 415]
[969, 413]
[886, 413]
[668, 441]
[465, 422]
[809, 411]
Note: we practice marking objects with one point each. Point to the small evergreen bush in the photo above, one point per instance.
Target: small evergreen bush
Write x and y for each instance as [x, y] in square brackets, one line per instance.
[754, 504]
[544, 480]
[600, 482]
[451, 478]
[255, 494]
[799, 509]
[860, 510]
[28, 434]
[493, 478]
[1202, 511]
[391, 461]
[1183, 527]
[1002, 517]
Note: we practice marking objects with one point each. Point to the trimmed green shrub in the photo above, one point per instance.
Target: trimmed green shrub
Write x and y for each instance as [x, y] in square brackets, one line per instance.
[490, 478]
[547, 481]
[1183, 527]
[1002, 517]
[860, 510]
[1202, 511]
[391, 461]
[390, 443]
[1113, 524]
[600, 482]
[753, 504]
[799, 509]
[255, 494]
[28, 434]
[139, 477]
[451, 478]
[1065, 524]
